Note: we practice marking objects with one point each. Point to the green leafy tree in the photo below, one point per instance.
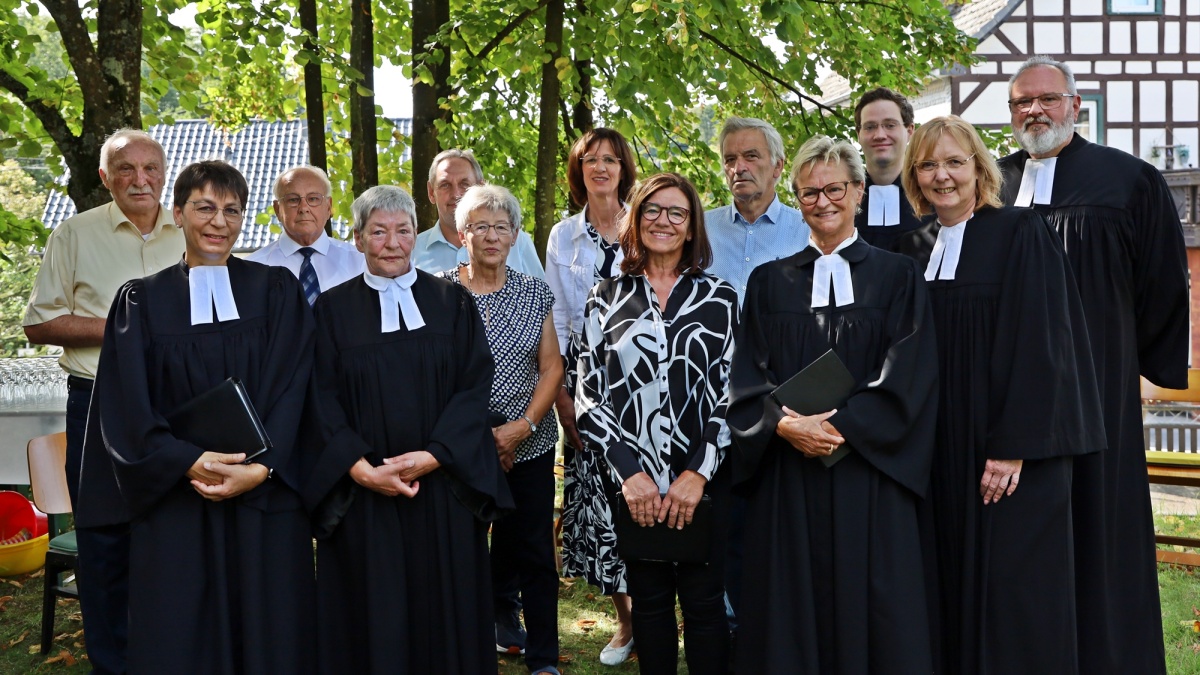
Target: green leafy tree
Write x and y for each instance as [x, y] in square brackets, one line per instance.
[20, 196]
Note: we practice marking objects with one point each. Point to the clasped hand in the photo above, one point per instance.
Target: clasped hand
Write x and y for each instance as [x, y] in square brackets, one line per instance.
[397, 476]
[217, 476]
[810, 434]
[677, 508]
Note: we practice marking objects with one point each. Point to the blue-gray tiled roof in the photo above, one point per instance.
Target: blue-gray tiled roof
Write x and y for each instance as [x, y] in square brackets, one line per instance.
[261, 151]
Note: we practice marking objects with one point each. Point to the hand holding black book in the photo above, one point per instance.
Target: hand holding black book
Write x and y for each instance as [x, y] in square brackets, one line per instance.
[821, 386]
[221, 419]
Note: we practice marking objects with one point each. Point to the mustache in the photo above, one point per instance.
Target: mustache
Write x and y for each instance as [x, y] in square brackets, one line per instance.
[1043, 119]
[134, 191]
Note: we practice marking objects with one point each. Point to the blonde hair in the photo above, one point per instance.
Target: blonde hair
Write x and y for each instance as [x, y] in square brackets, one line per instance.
[827, 150]
[988, 180]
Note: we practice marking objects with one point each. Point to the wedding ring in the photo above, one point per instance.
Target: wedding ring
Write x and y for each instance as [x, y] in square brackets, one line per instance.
[831, 447]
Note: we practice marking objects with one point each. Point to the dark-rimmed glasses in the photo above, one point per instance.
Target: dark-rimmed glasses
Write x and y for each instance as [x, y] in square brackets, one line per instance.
[676, 215]
[834, 192]
[952, 164]
[207, 211]
[1045, 101]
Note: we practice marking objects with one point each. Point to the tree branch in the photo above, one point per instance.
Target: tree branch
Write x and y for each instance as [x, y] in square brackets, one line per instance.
[764, 72]
[51, 119]
[496, 40]
[80, 51]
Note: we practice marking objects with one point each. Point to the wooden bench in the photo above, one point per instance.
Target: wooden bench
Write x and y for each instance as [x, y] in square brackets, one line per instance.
[1171, 432]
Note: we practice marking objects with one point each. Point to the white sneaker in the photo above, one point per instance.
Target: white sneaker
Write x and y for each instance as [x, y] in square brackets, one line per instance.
[615, 656]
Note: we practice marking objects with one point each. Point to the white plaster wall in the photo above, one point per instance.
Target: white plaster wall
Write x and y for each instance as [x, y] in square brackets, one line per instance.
[1118, 37]
[1152, 103]
[1147, 37]
[1150, 137]
[1171, 37]
[1118, 101]
[1015, 32]
[1139, 67]
[1185, 101]
[1048, 8]
[1189, 136]
[991, 107]
[1193, 37]
[1087, 38]
[1121, 139]
[1087, 7]
[1169, 67]
[1048, 38]
[990, 45]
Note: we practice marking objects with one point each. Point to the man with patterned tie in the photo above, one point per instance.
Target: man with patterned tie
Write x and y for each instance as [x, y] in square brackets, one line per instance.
[884, 120]
[303, 205]
[1125, 245]
[88, 258]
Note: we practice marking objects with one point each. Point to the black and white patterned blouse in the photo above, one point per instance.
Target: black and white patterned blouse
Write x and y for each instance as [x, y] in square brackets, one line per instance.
[513, 318]
[654, 384]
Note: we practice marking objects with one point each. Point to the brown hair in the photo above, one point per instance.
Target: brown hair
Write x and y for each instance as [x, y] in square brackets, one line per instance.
[884, 94]
[579, 196]
[988, 180]
[697, 253]
[219, 175]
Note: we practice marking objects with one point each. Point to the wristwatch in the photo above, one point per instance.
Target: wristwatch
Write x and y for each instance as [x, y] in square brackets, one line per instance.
[532, 426]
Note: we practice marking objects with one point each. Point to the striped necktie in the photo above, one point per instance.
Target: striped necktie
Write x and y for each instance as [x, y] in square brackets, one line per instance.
[308, 276]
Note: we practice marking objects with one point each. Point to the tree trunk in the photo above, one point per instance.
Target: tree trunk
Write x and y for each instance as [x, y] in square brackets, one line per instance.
[364, 147]
[314, 103]
[545, 211]
[581, 115]
[428, 16]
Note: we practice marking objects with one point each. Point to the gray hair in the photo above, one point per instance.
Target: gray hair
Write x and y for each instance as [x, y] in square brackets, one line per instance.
[491, 197]
[774, 140]
[277, 190]
[130, 136]
[455, 153]
[825, 149]
[1043, 60]
[386, 198]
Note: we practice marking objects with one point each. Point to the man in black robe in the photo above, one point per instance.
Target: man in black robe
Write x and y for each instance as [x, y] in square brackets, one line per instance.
[884, 120]
[1125, 246]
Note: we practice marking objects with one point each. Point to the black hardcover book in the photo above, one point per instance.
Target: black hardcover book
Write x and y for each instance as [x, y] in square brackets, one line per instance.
[823, 385]
[221, 419]
[692, 544]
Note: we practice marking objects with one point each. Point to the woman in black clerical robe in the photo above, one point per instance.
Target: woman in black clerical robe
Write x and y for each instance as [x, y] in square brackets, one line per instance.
[837, 585]
[1017, 401]
[402, 381]
[221, 572]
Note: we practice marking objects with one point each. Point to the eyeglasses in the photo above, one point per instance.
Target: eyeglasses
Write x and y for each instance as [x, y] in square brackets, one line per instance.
[314, 201]
[675, 214]
[609, 161]
[952, 164]
[835, 192]
[503, 229]
[1045, 101]
[871, 127]
[207, 211]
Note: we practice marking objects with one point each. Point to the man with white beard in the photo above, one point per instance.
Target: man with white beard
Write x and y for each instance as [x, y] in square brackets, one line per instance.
[1124, 240]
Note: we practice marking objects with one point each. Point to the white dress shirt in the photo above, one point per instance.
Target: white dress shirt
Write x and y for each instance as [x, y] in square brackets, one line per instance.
[334, 262]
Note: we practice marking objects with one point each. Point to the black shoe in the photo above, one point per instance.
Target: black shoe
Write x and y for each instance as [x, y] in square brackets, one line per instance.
[510, 634]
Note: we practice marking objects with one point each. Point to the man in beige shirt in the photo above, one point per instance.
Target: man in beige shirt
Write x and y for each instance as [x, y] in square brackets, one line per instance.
[88, 258]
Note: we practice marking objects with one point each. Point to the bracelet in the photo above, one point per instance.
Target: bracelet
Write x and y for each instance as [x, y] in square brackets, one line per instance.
[532, 427]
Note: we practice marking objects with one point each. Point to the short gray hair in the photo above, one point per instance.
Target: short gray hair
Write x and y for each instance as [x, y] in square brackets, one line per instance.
[277, 190]
[774, 140]
[455, 153]
[826, 149]
[491, 197]
[1043, 60]
[130, 136]
[386, 198]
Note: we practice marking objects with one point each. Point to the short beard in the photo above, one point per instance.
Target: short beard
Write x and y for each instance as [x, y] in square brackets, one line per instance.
[1047, 141]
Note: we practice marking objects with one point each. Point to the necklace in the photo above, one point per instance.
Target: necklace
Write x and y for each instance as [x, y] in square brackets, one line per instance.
[486, 307]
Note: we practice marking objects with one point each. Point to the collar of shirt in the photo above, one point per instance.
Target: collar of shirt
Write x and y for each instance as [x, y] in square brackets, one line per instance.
[288, 246]
[437, 237]
[117, 218]
[396, 300]
[943, 260]
[209, 285]
[835, 269]
[771, 215]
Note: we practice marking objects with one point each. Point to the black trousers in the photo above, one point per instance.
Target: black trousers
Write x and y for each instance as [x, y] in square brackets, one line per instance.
[523, 557]
[653, 586]
[103, 565]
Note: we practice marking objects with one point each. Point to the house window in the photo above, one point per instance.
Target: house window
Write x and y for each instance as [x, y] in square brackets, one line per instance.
[1135, 7]
[1090, 121]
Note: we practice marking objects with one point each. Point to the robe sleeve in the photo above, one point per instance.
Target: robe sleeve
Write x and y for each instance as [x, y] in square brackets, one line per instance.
[753, 414]
[1160, 277]
[1042, 397]
[283, 380]
[148, 461]
[598, 425]
[890, 418]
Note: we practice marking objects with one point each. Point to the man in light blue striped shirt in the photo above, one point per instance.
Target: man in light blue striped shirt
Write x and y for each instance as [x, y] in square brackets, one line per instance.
[757, 227]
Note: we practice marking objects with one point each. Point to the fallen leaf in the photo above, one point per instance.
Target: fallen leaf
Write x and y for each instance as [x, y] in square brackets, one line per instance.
[33, 649]
[591, 596]
[17, 640]
[1195, 611]
[585, 624]
[38, 574]
[565, 658]
[4, 599]
[64, 656]
[14, 582]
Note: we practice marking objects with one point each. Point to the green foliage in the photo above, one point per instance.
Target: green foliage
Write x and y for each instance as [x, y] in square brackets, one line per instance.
[21, 206]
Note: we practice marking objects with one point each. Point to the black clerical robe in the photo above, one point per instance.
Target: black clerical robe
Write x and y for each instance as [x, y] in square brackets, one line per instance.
[213, 586]
[404, 583]
[1016, 383]
[885, 236]
[837, 583]
[1123, 239]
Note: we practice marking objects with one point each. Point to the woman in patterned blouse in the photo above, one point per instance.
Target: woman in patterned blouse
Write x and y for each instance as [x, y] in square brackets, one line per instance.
[516, 317]
[582, 251]
[653, 388]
